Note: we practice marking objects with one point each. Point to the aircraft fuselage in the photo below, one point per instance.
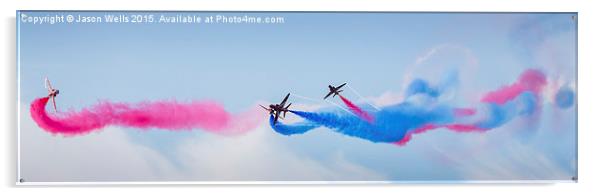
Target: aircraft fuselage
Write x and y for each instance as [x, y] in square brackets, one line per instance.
[53, 93]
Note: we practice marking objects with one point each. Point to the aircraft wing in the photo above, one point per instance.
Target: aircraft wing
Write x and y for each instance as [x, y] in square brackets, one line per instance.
[48, 85]
[275, 121]
[276, 116]
[264, 107]
[341, 86]
[284, 100]
[330, 93]
[54, 104]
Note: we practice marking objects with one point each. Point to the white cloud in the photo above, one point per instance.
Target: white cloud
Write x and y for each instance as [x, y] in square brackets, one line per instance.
[101, 156]
[499, 154]
[109, 155]
[261, 155]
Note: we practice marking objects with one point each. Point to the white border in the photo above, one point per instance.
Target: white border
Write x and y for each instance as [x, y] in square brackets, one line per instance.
[590, 161]
[18, 101]
[295, 182]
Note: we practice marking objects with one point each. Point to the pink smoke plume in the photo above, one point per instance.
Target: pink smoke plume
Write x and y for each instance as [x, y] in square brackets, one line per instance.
[530, 80]
[169, 115]
[357, 110]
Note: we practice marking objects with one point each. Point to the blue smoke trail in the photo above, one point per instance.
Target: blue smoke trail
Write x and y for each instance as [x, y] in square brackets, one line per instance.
[392, 123]
[419, 86]
[497, 115]
[564, 98]
[297, 128]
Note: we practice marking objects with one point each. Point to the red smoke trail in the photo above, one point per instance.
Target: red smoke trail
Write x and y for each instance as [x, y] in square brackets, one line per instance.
[357, 110]
[460, 128]
[170, 115]
[530, 80]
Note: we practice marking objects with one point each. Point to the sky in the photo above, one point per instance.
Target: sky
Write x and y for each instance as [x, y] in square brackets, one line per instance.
[239, 65]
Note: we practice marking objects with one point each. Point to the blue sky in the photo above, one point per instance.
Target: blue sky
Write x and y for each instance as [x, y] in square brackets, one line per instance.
[240, 64]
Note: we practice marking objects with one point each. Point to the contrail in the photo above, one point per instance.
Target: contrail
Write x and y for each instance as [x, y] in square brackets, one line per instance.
[317, 101]
[304, 97]
[362, 98]
[350, 106]
[357, 110]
